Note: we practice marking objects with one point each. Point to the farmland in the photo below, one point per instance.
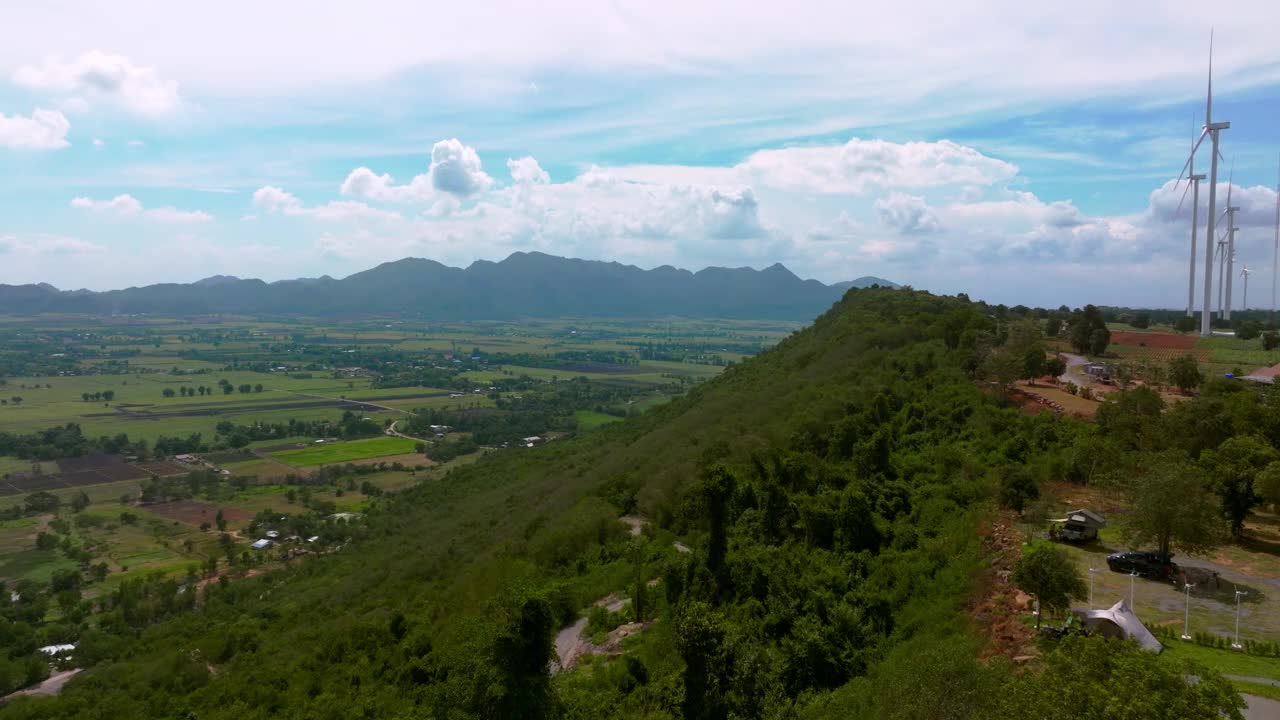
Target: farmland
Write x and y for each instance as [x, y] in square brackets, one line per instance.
[251, 396]
[345, 452]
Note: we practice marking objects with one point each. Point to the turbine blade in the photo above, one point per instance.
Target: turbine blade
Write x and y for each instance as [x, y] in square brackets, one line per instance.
[1178, 212]
[1187, 167]
[1208, 105]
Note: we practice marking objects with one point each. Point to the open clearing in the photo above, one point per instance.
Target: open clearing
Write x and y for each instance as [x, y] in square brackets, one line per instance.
[590, 419]
[341, 452]
[195, 512]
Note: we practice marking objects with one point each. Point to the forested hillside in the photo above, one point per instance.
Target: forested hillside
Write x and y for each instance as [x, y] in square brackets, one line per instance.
[830, 492]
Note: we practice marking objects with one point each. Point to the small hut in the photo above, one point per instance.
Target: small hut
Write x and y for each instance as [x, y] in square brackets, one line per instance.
[1118, 621]
[1079, 526]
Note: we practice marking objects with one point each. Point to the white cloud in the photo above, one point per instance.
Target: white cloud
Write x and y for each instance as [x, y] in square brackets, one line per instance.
[40, 245]
[527, 171]
[44, 130]
[275, 200]
[1257, 204]
[129, 206]
[907, 214]
[97, 142]
[455, 169]
[96, 74]
[857, 166]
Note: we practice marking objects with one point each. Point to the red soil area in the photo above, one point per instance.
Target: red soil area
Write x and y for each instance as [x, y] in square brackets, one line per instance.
[1153, 340]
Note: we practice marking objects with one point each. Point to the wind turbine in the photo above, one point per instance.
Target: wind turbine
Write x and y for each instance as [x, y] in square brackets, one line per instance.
[1275, 250]
[1210, 130]
[1230, 259]
[1244, 275]
[1194, 187]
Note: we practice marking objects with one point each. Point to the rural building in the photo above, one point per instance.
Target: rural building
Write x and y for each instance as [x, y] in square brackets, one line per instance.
[1078, 526]
[58, 649]
[1118, 621]
[1100, 371]
[531, 441]
[273, 534]
[186, 458]
[262, 544]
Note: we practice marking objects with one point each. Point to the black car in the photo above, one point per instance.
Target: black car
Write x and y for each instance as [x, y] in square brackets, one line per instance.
[1146, 564]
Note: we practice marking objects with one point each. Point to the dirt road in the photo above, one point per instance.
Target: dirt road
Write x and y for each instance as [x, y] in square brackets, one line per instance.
[1074, 361]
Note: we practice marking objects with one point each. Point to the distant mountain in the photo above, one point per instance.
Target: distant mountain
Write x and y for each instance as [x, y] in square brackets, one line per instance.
[865, 281]
[523, 285]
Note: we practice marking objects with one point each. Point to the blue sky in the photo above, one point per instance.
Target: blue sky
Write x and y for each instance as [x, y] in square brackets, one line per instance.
[1017, 153]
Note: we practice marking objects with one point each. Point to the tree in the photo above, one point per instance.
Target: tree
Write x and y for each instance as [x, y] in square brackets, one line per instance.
[1270, 340]
[79, 502]
[1268, 484]
[1184, 373]
[84, 396]
[108, 395]
[1052, 327]
[1233, 465]
[257, 388]
[1249, 329]
[1055, 366]
[1049, 575]
[700, 638]
[1099, 339]
[1141, 320]
[1170, 505]
[1109, 679]
[167, 392]
[1185, 324]
[220, 521]
[1034, 364]
[41, 502]
[1017, 486]
[1088, 330]
[1002, 368]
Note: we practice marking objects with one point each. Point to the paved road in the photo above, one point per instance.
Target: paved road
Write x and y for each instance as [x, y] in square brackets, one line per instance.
[1260, 708]
[51, 686]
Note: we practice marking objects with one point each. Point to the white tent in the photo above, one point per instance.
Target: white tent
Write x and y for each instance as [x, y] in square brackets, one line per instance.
[1119, 621]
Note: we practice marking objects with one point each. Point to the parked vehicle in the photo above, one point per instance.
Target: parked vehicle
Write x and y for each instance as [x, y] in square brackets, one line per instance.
[1146, 564]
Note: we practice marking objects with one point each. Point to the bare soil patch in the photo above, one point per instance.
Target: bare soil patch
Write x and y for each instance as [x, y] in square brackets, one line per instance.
[1154, 340]
[194, 512]
[997, 603]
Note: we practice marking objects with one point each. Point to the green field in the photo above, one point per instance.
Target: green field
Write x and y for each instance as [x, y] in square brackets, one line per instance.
[341, 452]
[590, 419]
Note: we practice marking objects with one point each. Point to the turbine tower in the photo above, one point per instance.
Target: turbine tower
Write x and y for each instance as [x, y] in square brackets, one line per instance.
[1244, 276]
[1194, 188]
[1275, 249]
[1230, 214]
[1210, 130]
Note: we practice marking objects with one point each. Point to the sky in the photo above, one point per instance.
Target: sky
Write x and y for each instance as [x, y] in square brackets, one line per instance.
[1017, 153]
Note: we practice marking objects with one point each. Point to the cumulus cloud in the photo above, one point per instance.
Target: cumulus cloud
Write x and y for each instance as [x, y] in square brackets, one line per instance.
[128, 206]
[275, 200]
[456, 169]
[98, 75]
[455, 174]
[44, 130]
[907, 214]
[527, 171]
[1257, 204]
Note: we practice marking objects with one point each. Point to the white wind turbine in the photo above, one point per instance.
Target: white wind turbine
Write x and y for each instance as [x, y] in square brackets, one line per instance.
[1210, 130]
[1194, 188]
[1275, 250]
[1230, 256]
[1244, 275]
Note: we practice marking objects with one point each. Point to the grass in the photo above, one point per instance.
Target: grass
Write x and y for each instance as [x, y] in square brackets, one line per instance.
[331, 453]
[590, 419]
[32, 564]
[1225, 661]
[1260, 689]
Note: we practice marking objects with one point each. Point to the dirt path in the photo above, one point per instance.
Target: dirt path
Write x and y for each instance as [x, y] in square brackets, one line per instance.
[1074, 361]
[392, 431]
[51, 686]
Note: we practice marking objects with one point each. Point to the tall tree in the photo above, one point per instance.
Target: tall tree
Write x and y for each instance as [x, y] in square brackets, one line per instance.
[1049, 575]
[1233, 465]
[1170, 506]
[1088, 332]
[1184, 373]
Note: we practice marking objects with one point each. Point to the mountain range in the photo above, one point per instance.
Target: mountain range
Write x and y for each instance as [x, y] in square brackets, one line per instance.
[523, 285]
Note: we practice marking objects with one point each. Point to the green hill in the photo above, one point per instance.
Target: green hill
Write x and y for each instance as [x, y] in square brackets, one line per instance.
[830, 491]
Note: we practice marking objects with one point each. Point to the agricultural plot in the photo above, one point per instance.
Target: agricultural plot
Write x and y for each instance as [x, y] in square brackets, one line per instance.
[340, 452]
[590, 419]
